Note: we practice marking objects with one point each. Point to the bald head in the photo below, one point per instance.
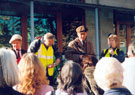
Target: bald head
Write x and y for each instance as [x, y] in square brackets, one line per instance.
[48, 36]
[48, 39]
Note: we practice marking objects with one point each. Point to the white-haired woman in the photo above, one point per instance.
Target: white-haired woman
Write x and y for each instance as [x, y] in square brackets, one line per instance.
[8, 72]
[70, 81]
[109, 76]
[129, 68]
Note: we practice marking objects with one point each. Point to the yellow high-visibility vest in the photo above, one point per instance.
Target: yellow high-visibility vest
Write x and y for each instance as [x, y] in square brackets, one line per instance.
[46, 57]
[108, 54]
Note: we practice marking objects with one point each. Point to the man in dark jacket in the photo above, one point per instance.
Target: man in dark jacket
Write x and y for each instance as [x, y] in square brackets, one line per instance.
[80, 46]
[47, 52]
[16, 42]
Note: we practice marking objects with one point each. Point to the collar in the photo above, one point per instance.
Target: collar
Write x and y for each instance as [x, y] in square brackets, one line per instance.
[46, 46]
[82, 41]
[114, 48]
[17, 49]
[42, 42]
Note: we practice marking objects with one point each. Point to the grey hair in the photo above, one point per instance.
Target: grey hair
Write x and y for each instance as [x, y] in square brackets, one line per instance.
[46, 35]
[8, 68]
[131, 49]
[108, 73]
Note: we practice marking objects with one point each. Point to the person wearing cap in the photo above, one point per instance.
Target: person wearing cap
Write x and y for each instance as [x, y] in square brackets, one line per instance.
[47, 52]
[113, 50]
[80, 46]
[16, 42]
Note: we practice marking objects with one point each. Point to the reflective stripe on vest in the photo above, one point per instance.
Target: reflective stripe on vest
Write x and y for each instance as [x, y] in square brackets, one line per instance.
[46, 57]
[108, 54]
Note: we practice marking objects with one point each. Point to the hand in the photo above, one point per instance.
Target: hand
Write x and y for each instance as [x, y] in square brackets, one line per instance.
[81, 56]
[111, 51]
[51, 65]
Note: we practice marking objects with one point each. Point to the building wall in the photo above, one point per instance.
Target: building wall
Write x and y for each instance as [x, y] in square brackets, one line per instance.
[119, 3]
[105, 26]
[90, 23]
[114, 3]
[91, 1]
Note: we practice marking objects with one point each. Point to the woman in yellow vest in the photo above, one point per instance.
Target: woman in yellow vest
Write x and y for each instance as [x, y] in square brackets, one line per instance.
[47, 53]
[113, 50]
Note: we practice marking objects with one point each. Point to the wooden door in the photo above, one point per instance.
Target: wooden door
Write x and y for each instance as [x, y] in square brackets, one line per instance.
[126, 34]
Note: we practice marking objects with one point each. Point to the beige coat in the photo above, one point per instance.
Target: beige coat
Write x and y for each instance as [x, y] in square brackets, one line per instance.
[75, 49]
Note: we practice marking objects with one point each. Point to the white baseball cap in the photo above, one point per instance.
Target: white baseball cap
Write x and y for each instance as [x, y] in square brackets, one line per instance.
[15, 37]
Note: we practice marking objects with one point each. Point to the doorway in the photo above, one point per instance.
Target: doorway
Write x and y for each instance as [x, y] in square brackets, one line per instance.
[126, 34]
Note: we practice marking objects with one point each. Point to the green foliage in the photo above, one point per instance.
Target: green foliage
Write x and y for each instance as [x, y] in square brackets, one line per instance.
[42, 26]
[69, 29]
[9, 25]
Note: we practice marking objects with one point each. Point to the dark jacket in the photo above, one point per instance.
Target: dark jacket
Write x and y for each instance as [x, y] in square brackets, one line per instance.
[35, 45]
[118, 91]
[119, 57]
[9, 91]
[22, 52]
[75, 49]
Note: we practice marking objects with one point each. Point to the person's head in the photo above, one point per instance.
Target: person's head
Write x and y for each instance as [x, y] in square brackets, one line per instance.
[32, 74]
[112, 40]
[16, 41]
[8, 68]
[131, 50]
[70, 78]
[82, 32]
[49, 39]
[108, 73]
[90, 60]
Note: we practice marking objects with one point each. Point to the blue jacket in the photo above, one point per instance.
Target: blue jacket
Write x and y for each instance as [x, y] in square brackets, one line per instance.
[119, 57]
[118, 91]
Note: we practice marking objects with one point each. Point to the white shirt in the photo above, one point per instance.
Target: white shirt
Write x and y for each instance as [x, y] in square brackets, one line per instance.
[20, 54]
[81, 41]
[129, 74]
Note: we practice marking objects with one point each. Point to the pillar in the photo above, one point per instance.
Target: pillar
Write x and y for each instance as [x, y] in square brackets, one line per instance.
[59, 30]
[24, 32]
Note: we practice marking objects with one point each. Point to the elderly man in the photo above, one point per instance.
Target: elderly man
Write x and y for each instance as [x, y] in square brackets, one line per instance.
[16, 42]
[47, 53]
[80, 46]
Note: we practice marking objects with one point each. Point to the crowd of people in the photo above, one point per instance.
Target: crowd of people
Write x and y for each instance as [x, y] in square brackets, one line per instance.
[32, 71]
